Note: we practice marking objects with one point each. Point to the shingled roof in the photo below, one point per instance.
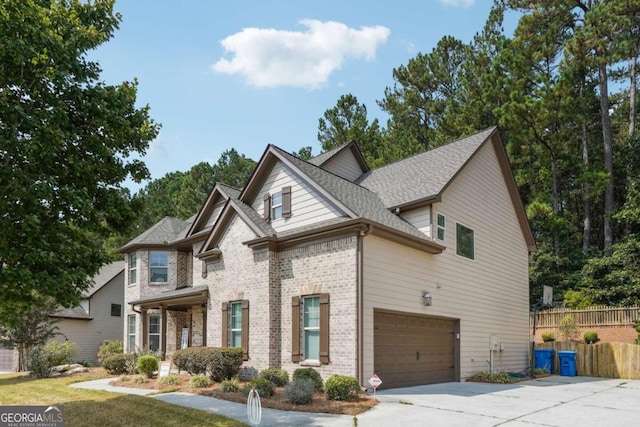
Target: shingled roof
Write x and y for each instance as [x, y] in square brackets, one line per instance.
[425, 175]
[359, 201]
[167, 230]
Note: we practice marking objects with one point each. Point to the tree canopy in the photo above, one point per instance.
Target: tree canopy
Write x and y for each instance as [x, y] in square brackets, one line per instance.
[563, 90]
[66, 146]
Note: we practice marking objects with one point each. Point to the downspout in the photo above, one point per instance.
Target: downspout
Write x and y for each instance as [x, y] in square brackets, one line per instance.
[360, 303]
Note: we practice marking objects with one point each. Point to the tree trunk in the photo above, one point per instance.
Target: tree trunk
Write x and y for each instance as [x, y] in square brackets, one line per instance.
[586, 192]
[607, 141]
[632, 124]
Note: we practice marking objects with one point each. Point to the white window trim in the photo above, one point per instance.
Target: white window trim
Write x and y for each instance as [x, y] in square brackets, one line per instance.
[306, 360]
[131, 334]
[158, 266]
[474, 242]
[134, 268]
[275, 206]
[231, 328]
[443, 227]
[150, 334]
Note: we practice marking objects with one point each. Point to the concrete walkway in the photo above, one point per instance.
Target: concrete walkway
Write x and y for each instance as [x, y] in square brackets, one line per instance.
[552, 401]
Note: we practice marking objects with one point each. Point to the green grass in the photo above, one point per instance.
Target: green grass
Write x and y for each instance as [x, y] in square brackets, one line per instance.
[88, 408]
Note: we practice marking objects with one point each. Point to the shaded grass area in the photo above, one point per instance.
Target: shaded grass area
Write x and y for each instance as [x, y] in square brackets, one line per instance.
[88, 408]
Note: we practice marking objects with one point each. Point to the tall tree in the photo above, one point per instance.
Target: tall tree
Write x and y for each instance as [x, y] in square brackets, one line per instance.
[425, 90]
[66, 141]
[348, 122]
[233, 169]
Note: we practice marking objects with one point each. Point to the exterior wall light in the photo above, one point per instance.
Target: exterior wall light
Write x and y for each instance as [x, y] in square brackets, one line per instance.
[426, 298]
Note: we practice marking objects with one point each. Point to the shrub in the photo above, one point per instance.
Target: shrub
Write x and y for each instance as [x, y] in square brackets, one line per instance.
[590, 337]
[263, 386]
[308, 374]
[487, 377]
[147, 365]
[219, 363]
[548, 336]
[199, 381]
[118, 364]
[568, 329]
[540, 371]
[140, 379]
[279, 377]
[341, 387]
[169, 380]
[58, 353]
[109, 347]
[38, 363]
[230, 386]
[299, 392]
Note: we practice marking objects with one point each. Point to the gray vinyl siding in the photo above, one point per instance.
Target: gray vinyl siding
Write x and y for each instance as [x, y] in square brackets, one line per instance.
[89, 334]
[420, 218]
[307, 206]
[344, 165]
[489, 294]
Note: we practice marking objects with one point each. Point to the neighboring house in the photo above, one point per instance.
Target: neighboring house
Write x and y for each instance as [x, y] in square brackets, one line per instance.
[416, 271]
[100, 315]
[8, 360]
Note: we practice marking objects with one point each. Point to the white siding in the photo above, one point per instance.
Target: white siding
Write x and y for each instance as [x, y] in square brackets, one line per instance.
[307, 206]
[489, 294]
[419, 218]
[344, 165]
[89, 334]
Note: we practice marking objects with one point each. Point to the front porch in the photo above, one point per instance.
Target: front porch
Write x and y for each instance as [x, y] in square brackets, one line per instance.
[173, 319]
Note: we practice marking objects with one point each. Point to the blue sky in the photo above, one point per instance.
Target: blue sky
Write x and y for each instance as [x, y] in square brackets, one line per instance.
[242, 74]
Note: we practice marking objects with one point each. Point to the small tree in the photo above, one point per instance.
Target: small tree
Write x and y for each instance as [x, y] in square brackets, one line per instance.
[35, 328]
[568, 329]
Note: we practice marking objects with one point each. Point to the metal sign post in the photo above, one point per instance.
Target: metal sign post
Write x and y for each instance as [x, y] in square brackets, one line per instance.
[375, 381]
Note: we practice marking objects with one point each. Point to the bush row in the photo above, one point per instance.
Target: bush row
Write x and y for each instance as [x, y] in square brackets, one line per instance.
[216, 362]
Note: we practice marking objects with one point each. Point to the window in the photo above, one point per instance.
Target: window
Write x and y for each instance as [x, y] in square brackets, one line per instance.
[276, 206]
[131, 333]
[116, 310]
[465, 241]
[159, 266]
[133, 269]
[154, 332]
[235, 326]
[440, 227]
[310, 329]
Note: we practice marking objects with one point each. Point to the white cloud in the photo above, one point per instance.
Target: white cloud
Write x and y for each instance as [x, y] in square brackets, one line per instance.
[269, 57]
[457, 3]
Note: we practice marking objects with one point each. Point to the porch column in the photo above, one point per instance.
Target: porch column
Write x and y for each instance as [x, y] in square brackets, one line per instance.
[163, 330]
[145, 328]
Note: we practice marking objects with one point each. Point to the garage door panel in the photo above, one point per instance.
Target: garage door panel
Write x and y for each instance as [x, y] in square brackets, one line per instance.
[412, 349]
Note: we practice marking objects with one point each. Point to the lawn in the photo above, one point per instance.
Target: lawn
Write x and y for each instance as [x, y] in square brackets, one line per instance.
[87, 408]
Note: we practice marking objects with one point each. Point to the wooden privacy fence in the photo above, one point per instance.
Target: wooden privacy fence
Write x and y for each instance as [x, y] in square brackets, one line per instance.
[609, 360]
[596, 316]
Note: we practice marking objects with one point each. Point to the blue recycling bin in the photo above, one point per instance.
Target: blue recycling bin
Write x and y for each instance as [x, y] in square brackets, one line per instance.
[567, 363]
[543, 358]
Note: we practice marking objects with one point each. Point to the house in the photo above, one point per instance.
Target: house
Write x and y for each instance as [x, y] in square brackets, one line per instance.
[98, 317]
[416, 271]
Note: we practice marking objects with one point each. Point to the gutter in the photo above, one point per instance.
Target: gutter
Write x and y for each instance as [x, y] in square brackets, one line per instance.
[360, 304]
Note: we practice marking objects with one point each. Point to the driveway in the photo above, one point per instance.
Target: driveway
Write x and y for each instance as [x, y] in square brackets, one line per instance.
[551, 401]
